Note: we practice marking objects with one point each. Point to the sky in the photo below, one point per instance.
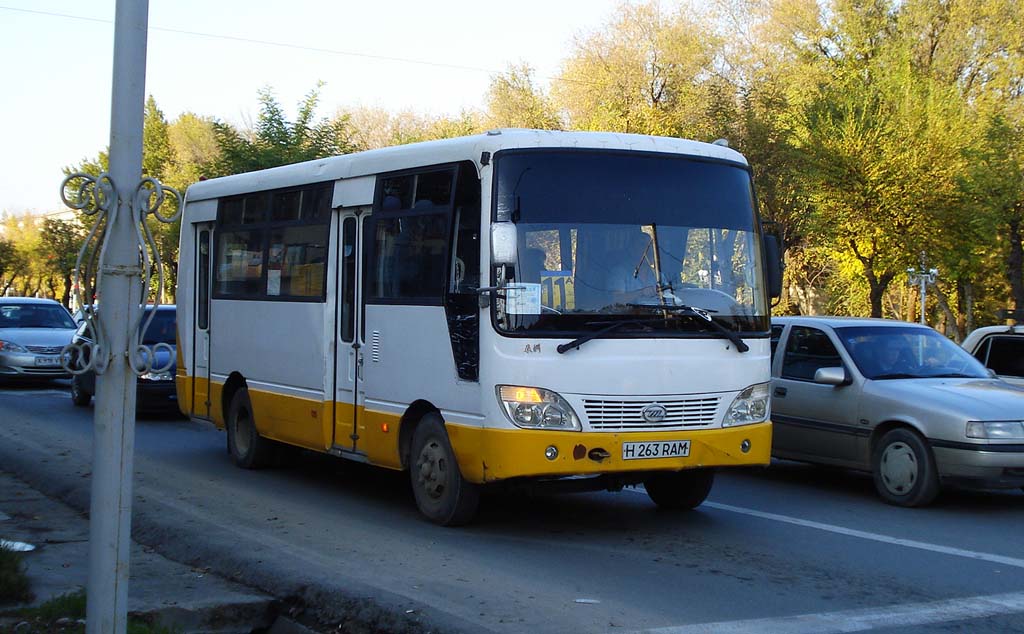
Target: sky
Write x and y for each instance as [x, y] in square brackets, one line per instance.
[204, 56]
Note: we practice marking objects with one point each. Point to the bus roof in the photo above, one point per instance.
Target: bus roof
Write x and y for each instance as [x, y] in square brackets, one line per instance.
[446, 151]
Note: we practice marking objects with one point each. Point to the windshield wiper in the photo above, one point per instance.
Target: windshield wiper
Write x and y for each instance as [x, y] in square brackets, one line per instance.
[897, 375]
[615, 325]
[705, 316]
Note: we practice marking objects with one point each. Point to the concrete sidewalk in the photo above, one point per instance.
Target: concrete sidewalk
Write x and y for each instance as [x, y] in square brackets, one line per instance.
[188, 599]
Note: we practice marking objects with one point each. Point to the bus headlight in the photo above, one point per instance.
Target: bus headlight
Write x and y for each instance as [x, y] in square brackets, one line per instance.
[537, 408]
[749, 406]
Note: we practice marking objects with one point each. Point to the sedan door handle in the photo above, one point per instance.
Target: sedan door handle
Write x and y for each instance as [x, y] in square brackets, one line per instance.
[780, 392]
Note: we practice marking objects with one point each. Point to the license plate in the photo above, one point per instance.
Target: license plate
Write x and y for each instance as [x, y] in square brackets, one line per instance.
[49, 362]
[655, 449]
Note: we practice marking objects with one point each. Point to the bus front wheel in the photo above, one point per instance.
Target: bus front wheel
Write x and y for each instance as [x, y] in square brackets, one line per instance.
[678, 490]
[248, 449]
[442, 494]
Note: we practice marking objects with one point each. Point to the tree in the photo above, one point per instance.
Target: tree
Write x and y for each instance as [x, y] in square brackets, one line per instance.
[514, 101]
[275, 141]
[59, 244]
[646, 72]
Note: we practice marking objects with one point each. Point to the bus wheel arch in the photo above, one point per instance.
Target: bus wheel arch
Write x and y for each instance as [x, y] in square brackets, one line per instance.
[234, 383]
[407, 427]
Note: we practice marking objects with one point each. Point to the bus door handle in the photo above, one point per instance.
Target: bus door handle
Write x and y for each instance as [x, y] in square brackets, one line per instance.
[780, 392]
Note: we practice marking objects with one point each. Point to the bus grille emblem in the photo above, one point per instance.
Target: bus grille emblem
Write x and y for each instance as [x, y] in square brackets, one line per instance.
[654, 413]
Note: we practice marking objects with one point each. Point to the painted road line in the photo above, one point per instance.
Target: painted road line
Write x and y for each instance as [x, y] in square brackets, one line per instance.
[907, 615]
[851, 532]
[886, 539]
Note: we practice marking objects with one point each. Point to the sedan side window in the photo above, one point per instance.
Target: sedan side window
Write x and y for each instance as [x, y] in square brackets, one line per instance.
[1006, 356]
[807, 350]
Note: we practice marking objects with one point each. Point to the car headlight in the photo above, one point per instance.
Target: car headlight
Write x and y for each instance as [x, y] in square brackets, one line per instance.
[1001, 430]
[537, 408]
[10, 346]
[749, 406]
[157, 376]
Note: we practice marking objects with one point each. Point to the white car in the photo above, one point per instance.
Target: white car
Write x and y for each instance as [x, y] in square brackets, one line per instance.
[32, 334]
[1000, 349]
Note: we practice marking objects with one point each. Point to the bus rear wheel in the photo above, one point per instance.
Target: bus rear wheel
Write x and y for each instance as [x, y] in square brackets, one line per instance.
[442, 494]
[680, 490]
[248, 449]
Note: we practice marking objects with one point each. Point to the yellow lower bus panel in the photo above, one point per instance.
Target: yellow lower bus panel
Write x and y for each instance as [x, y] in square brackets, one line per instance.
[487, 455]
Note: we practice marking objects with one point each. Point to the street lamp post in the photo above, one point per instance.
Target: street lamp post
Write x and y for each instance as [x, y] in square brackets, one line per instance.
[922, 277]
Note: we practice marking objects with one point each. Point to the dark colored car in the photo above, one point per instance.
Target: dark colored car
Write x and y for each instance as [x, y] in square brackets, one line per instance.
[155, 390]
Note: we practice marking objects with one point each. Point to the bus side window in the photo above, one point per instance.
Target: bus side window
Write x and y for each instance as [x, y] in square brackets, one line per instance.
[466, 250]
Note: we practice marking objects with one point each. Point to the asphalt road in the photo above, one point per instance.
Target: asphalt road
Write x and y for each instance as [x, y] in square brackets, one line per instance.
[793, 548]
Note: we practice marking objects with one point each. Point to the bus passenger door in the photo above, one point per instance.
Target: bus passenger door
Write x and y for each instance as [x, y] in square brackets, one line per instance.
[347, 356]
[200, 370]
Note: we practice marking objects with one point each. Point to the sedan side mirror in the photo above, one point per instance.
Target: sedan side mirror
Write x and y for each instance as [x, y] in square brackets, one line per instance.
[831, 376]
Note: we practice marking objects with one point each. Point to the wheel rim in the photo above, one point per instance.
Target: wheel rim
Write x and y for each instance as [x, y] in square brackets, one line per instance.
[76, 392]
[241, 432]
[899, 468]
[432, 469]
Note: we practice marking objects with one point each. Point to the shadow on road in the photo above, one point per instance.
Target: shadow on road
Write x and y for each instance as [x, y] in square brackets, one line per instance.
[833, 482]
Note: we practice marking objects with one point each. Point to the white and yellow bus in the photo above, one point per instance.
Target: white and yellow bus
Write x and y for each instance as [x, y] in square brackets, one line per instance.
[520, 306]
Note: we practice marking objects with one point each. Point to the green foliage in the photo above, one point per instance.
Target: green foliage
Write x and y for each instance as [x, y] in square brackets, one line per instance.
[275, 141]
[514, 101]
[14, 583]
[46, 618]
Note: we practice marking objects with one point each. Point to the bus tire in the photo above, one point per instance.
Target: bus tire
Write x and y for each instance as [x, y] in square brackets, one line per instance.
[248, 449]
[442, 494]
[680, 490]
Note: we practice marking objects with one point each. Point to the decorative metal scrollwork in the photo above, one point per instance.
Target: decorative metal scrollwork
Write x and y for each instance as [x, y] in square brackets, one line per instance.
[98, 196]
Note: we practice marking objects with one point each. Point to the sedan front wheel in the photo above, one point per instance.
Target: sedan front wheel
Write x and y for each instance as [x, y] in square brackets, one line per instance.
[904, 469]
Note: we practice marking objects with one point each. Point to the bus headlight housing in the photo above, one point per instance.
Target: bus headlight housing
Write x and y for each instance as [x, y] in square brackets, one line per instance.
[749, 406]
[537, 408]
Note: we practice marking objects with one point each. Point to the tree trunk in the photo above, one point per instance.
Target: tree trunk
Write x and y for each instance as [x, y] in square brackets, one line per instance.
[947, 312]
[65, 298]
[1015, 264]
[968, 308]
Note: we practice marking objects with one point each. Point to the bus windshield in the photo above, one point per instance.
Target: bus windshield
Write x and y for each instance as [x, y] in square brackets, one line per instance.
[606, 237]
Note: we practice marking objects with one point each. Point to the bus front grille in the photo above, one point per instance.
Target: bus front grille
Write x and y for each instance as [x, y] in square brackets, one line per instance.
[619, 415]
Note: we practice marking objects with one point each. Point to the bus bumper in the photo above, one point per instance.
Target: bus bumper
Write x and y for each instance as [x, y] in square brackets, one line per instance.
[488, 455]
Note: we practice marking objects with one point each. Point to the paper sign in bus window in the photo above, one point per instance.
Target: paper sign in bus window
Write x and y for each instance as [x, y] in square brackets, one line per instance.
[523, 299]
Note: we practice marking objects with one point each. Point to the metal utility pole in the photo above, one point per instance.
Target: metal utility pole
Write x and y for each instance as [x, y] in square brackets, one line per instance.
[922, 277]
[110, 509]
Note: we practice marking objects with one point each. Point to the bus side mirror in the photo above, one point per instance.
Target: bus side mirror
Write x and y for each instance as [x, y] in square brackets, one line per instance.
[773, 266]
[503, 243]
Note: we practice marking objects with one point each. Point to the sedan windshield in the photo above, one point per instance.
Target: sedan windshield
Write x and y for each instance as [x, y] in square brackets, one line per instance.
[882, 352]
[34, 316]
[604, 237]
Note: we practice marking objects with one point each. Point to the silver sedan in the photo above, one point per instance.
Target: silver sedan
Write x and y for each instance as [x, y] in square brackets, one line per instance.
[32, 334]
[896, 399]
